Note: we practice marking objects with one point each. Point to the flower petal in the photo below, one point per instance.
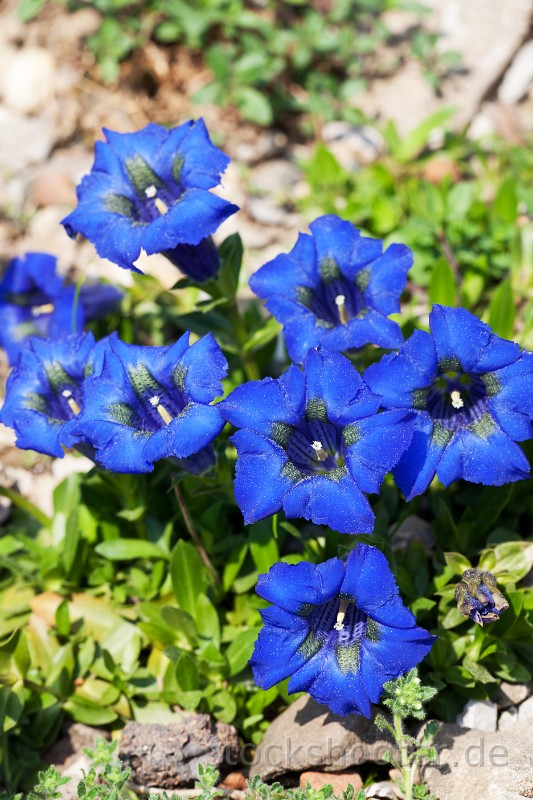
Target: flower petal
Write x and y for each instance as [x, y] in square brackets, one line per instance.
[294, 586]
[337, 503]
[260, 484]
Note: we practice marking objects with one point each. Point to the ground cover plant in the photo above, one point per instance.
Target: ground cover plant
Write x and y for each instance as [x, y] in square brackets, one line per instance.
[275, 62]
[138, 594]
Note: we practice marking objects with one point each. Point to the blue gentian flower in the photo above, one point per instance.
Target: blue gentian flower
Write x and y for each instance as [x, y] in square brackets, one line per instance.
[312, 442]
[339, 630]
[44, 390]
[472, 393]
[35, 302]
[149, 403]
[150, 190]
[335, 288]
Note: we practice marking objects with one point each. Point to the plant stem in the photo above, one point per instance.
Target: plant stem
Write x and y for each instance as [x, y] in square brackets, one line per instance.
[189, 524]
[241, 335]
[405, 767]
[26, 506]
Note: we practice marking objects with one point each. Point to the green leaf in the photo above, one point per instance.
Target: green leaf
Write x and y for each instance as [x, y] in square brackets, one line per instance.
[180, 620]
[457, 562]
[132, 514]
[187, 673]
[63, 619]
[442, 283]
[28, 9]
[207, 622]
[502, 310]
[129, 549]
[478, 671]
[263, 547]
[254, 106]
[418, 138]
[233, 565]
[263, 335]
[230, 253]
[11, 706]
[505, 205]
[510, 561]
[188, 577]
[83, 710]
[240, 650]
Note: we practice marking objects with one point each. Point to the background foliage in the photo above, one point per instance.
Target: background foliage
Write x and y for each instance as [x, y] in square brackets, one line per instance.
[271, 60]
[101, 616]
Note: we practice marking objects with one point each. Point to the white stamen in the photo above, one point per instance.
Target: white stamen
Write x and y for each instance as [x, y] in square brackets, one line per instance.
[457, 401]
[343, 605]
[150, 191]
[67, 394]
[161, 410]
[161, 206]
[343, 314]
[47, 308]
[319, 450]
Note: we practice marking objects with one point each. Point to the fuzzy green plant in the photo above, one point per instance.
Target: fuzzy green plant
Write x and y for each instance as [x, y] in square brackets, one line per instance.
[405, 697]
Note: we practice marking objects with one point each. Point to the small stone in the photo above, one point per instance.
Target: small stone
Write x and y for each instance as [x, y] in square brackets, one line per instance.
[519, 76]
[512, 694]
[352, 145]
[23, 140]
[508, 718]
[234, 780]
[265, 211]
[274, 176]
[479, 714]
[440, 167]
[383, 789]
[413, 529]
[28, 83]
[340, 782]
[525, 710]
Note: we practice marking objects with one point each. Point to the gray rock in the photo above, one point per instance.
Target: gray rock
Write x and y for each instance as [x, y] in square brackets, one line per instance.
[413, 529]
[519, 76]
[508, 718]
[28, 83]
[23, 140]
[66, 755]
[307, 736]
[486, 33]
[383, 790]
[352, 145]
[525, 710]
[482, 766]
[480, 714]
[167, 756]
[512, 694]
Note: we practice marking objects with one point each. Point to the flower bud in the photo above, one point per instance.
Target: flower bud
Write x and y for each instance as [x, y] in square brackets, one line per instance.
[477, 596]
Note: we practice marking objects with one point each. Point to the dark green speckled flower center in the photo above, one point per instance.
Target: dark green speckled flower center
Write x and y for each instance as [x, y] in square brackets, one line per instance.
[335, 299]
[458, 400]
[314, 446]
[339, 624]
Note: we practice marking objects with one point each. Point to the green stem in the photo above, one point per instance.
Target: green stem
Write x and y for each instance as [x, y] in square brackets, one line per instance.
[405, 766]
[193, 533]
[241, 334]
[26, 506]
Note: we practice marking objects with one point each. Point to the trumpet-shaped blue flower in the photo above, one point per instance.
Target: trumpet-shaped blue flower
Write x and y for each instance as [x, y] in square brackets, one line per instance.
[472, 393]
[312, 442]
[44, 390]
[149, 403]
[35, 302]
[150, 190]
[339, 630]
[335, 288]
